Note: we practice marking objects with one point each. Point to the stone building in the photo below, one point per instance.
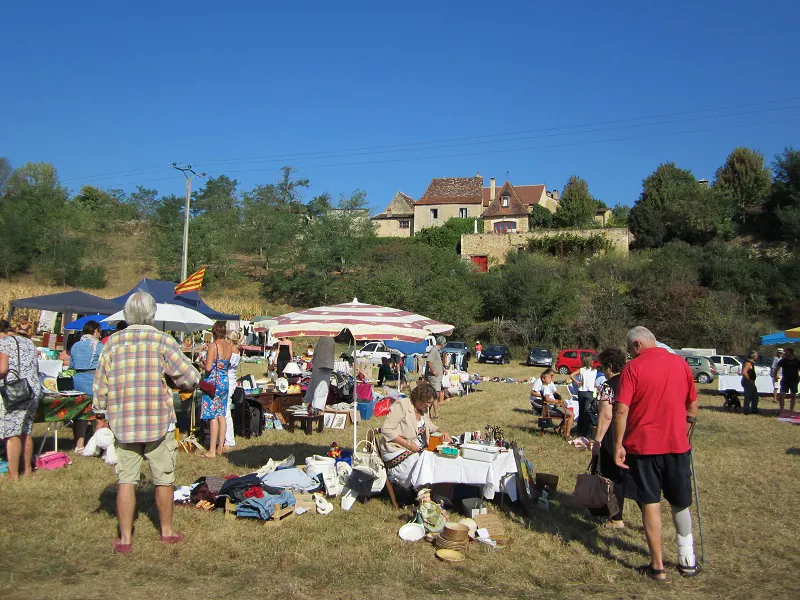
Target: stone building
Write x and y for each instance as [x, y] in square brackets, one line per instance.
[398, 218]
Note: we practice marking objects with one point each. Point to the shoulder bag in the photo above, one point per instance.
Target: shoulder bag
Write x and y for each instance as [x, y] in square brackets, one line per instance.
[594, 491]
[18, 392]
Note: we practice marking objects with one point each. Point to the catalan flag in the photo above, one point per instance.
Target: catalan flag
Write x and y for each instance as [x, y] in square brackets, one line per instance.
[192, 283]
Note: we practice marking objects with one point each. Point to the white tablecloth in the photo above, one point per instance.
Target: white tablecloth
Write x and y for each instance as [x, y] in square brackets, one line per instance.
[433, 468]
[734, 382]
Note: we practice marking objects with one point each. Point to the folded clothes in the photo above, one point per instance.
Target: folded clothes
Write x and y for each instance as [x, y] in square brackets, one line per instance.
[293, 479]
[264, 508]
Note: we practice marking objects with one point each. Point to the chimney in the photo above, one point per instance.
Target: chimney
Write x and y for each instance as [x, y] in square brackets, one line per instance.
[555, 195]
[388, 212]
[475, 227]
[491, 189]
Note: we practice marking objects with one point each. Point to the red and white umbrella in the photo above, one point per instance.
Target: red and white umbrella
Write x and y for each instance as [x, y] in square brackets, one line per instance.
[364, 321]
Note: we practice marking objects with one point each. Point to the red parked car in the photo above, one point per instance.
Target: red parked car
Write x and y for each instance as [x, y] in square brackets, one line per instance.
[569, 361]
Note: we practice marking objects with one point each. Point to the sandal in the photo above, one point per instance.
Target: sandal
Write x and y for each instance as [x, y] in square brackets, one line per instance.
[659, 575]
[690, 571]
[176, 538]
[119, 548]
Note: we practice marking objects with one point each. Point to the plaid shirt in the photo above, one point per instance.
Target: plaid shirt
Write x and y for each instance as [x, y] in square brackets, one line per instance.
[129, 385]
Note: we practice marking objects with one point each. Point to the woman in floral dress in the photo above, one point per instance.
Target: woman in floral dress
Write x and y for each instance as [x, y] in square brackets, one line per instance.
[214, 407]
[18, 360]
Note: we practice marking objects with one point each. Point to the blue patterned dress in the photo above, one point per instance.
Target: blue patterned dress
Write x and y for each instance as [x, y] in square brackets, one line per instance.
[217, 405]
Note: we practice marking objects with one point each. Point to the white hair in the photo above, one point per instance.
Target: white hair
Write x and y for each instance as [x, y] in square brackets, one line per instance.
[441, 340]
[640, 334]
[140, 309]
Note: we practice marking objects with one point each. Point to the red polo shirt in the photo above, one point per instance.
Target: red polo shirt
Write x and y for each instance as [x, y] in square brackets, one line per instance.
[657, 386]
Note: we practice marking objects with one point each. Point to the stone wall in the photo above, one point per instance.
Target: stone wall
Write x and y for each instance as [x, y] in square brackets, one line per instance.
[495, 246]
[422, 214]
[391, 227]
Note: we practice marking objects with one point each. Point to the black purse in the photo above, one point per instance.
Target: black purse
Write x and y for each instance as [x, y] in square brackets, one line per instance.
[15, 393]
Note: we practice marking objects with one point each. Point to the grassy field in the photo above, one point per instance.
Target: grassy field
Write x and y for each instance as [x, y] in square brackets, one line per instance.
[57, 527]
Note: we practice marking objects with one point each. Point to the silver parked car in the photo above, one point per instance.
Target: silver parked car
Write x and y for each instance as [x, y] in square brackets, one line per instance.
[702, 368]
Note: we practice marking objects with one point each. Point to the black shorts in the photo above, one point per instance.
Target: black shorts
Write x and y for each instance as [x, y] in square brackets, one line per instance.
[649, 475]
[788, 386]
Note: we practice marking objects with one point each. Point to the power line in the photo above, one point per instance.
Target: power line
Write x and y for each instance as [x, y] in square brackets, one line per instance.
[559, 134]
[504, 150]
[497, 135]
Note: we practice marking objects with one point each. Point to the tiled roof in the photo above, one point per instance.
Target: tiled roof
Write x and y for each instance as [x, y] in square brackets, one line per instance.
[515, 206]
[528, 194]
[453, 190]
[401, 206]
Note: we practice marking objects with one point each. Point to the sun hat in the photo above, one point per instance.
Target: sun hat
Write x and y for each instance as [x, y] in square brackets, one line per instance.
[779, 350]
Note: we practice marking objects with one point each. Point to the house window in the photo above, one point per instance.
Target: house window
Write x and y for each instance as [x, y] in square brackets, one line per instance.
[462, 212]
[505, 227]
[505, 201]
[404, 224]
[434, 214]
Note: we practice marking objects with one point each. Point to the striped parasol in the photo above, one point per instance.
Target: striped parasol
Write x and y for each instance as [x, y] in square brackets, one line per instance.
[364, 321]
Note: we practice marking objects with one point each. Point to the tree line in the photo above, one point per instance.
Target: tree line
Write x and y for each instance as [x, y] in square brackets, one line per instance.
[713, 263]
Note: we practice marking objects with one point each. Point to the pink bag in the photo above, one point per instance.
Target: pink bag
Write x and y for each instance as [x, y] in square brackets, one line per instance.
[364, 392]
[52, 460]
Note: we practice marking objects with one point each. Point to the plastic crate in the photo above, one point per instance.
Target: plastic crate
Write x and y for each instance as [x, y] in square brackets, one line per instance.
[366, 410]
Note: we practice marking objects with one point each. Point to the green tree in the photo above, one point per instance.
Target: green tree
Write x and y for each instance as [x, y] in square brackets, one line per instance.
[448, 236]
[745, 180]
[576, 207]
[782, 209]
[540, 218]
[619, 215]
[5, 173]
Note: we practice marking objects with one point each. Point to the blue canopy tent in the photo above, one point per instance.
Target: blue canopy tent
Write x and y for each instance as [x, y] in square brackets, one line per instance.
[78, 324]
[164, 293]
[407, 347]
[774, 339]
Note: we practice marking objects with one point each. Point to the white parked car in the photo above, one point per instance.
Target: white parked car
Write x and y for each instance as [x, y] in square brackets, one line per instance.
[732, 365]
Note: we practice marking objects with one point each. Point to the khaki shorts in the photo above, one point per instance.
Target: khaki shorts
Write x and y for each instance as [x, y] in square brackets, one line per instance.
[160, 454]
[436, 383]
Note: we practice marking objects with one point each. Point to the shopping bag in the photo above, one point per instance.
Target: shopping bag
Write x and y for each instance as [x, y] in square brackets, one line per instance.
[52, 460]
[366, 457]
[594, 491]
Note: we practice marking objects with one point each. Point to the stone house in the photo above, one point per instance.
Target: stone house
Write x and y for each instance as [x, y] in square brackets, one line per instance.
[449, 197]
[398, 218]
[506, 213]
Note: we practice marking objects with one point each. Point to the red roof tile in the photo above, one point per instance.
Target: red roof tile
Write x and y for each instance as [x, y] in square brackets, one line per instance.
[453, 190]
[528, 194]
[515, 206]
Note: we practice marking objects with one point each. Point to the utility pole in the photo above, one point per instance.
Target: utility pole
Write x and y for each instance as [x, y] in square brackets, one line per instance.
[190, 174]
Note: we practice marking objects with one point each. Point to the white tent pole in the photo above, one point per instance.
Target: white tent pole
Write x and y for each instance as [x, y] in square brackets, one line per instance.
[355, 404]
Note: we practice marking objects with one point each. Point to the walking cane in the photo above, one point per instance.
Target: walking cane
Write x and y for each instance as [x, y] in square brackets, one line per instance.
[696, 494]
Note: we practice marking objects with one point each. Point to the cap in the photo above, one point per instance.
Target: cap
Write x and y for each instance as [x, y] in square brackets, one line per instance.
[779, 350]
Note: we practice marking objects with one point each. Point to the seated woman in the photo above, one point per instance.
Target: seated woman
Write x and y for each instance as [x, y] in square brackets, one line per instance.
[406, 430]
[544, 394]
[83, 357]
[385, 373]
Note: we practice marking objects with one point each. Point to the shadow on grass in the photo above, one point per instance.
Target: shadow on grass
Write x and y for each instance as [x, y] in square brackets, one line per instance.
[254, 457]
[570, 522]
[145, 503]
[793, 451]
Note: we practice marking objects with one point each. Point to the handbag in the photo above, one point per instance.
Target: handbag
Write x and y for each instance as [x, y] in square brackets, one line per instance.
[18, 392]
[52, 460]
[593, 491]
[208, 388]
[368, 459]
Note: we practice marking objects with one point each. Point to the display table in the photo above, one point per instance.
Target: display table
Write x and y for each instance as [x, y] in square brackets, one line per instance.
[433, 468]
[55, 410]
[734, 382]
[275, 402]
[306, 422]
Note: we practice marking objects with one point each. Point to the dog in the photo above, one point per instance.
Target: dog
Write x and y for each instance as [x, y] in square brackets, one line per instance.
[732, 402]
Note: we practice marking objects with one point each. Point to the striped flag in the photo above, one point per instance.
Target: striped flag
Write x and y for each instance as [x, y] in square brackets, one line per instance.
[192, 283]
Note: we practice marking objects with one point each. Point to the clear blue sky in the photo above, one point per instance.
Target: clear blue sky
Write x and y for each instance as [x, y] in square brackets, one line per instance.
[98, 87]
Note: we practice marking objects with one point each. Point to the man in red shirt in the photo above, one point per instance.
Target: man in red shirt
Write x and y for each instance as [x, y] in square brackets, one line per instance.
[655, 405]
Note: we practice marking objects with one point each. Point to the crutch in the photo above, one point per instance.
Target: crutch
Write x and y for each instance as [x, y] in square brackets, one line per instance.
[696, 494]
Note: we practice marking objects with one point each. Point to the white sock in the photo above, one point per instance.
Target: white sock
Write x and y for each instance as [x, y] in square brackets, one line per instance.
[683, 528]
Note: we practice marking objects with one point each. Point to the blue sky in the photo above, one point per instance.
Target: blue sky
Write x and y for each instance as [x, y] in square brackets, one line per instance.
[242, 88]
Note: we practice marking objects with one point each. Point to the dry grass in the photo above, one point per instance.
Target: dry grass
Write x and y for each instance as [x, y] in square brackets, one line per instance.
[57, 527]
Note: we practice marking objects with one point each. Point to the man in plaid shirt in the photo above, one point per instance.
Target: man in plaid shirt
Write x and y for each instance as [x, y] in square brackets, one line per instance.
[129, 387]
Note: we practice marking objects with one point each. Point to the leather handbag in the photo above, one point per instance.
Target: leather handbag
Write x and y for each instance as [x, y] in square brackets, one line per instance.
[18, 392]
[208, 388]
[594, 491]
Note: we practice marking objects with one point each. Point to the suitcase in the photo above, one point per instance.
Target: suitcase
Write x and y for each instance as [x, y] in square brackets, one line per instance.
[248, 415]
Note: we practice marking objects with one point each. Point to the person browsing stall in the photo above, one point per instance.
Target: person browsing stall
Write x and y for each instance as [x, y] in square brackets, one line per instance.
[18, 360]
[434, 371]
[544, 394]
[214, 407]
[129, 387]
[406, 430]
[749, 384]
[83, 358]
[774, 372]
[611, 362]
[789, 368]
[585, 378]
[656, 405]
